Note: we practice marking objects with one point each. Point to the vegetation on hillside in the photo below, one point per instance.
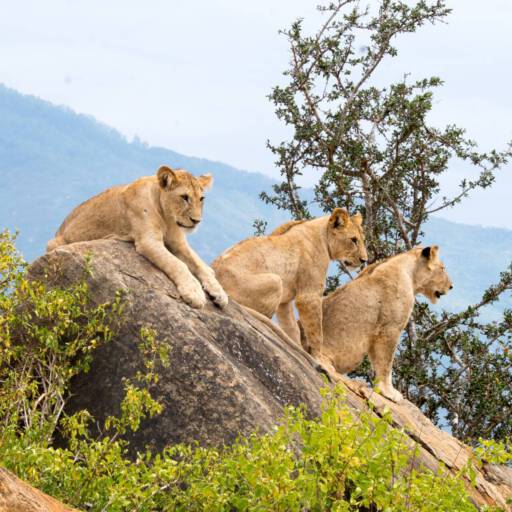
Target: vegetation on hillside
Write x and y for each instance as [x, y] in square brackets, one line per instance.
[376, 151]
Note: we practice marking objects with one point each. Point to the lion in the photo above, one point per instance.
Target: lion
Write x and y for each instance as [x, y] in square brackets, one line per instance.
[267, 274]
[155, 213]
[368, 314]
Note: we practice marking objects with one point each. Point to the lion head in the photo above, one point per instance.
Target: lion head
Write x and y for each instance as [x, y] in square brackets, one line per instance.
[345, 238]
[183, 196]
[431, 277]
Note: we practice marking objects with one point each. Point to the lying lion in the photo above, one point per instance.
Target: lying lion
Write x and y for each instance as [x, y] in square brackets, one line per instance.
[268, 273]
[367, 315]
[154, 212]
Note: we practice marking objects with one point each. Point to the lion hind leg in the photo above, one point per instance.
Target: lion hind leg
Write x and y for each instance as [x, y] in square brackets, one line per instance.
[54, 243]
[287, 321]
[261, 292]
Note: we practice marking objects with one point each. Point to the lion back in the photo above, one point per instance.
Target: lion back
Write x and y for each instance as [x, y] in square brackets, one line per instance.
[284, 228]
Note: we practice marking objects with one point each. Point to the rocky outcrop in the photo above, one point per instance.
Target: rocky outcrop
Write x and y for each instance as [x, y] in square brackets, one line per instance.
[18, 496]
[229, 374]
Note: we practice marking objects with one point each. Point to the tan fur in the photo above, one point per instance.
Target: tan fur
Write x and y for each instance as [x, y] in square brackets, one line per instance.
[283, 228]
[268, 273]
[154, 212]
[367, 315]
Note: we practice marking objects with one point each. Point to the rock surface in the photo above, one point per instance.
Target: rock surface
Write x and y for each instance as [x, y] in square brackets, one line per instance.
[18, 496]
[229, 374]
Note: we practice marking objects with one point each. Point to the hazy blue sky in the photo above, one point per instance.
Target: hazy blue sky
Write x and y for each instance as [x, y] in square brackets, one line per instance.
[193, 76]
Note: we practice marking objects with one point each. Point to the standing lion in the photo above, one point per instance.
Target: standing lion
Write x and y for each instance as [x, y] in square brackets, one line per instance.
[267, 274]
[154, 212]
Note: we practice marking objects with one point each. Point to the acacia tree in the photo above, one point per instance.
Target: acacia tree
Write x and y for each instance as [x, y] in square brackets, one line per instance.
[376, 152]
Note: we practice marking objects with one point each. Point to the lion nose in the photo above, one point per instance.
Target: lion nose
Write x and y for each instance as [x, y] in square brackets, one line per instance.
[195, 221]
[451, 287]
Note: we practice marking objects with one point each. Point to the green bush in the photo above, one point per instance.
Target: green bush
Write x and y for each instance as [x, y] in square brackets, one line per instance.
[46, 337]
[336, 462]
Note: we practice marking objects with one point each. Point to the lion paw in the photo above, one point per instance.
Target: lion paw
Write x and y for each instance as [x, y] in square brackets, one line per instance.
[392, 394]
[325, 363]
[216, 292]
[192, 293]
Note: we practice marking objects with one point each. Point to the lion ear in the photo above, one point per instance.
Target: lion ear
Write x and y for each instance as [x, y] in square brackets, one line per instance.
[430, 252]
[166, 176]
[206, 181]
[358, 219]
[339, 217]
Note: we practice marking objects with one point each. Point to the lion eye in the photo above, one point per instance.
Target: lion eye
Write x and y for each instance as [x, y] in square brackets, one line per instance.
[185, 198]
[354, 240]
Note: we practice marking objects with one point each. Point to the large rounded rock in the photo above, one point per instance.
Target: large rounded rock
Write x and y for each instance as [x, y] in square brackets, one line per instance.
[228, 374]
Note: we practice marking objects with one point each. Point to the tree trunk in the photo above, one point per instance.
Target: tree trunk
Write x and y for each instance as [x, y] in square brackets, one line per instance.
[18, 496]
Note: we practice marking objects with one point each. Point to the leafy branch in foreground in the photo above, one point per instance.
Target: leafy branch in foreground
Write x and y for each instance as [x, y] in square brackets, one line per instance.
[336, 462]
[46, 337]
[376, 151]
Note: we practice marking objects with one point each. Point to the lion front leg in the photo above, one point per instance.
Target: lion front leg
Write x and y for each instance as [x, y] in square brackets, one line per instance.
[381, 355]
[204, 273]
[212, 287]
[188, 286]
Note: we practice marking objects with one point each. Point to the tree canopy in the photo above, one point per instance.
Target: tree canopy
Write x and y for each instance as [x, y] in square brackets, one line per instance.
[376, 151]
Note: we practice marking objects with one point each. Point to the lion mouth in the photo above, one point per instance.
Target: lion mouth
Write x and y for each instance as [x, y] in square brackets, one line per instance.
[439, 294]
[184, 226]
[350, 265]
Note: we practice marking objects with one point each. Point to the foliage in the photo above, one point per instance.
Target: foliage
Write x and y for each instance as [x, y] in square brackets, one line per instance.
[494, 452]
[46, 337]
[259, 226]
[376, 152]
[336, 462]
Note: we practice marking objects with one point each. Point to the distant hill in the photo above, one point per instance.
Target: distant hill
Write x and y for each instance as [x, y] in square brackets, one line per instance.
[51, 159]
